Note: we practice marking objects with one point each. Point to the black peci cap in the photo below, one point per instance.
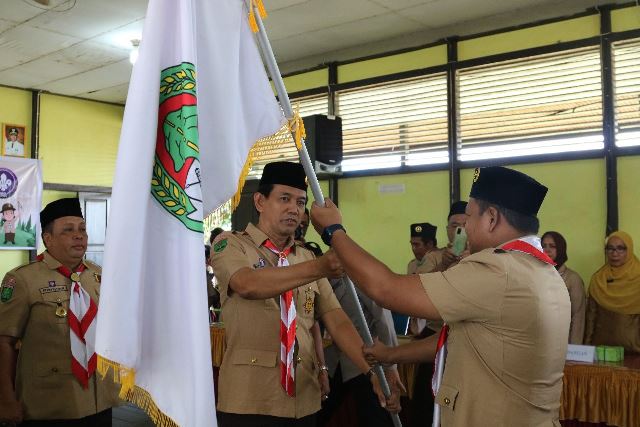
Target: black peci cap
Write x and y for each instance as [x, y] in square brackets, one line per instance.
[59, 209]
[284, 173]
[457, 208]
[424, 230]
[509, 189]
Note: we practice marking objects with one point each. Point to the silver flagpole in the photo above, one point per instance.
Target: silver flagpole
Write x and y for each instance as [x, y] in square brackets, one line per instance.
[436, 407]
[283, 96]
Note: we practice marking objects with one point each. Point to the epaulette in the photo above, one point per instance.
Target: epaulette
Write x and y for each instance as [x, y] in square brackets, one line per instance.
[499, 251]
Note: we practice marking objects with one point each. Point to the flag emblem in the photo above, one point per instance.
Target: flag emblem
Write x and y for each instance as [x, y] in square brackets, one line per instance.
[176, 172]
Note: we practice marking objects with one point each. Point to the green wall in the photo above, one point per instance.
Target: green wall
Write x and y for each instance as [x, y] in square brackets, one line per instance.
[379, 221]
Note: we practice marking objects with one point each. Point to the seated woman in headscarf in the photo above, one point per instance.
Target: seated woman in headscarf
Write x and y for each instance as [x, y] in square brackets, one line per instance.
[613, 308]
[555, 246]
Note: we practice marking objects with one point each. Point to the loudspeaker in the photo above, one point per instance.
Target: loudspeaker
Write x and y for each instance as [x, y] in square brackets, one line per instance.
[324, 142]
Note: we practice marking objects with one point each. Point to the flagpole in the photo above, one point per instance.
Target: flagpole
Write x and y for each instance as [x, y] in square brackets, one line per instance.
[439, 373]
[283, 97]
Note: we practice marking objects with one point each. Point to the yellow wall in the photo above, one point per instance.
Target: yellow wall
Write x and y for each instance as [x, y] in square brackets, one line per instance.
[414, 60]
[379, 222]
[575, 207]
[541, 35]
[78, 140]
[625, 19]
[629, 197]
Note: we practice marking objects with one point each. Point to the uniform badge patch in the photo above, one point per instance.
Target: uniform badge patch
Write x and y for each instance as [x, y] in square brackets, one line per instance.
[260, 264]
[98, 277]
[219, 246]
[52, 283]
[6, 291]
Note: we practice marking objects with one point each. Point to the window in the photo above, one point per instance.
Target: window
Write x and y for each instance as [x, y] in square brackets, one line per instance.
[626, 59]
[402, 123]
[287, 152]
[95, 208]
[536, 105]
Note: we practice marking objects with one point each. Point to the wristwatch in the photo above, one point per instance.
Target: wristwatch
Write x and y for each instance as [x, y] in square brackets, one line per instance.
[328, 231]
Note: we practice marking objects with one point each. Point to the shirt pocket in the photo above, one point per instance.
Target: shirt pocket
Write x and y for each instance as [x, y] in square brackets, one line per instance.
[53, 300]
[447, 397]
[52, 373]
[264, 358]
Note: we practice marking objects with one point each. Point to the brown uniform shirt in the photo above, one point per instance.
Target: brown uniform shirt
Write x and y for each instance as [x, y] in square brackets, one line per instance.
[508, 315]
[606, 327]
[578, 298]
[249, 381]
[44, 382]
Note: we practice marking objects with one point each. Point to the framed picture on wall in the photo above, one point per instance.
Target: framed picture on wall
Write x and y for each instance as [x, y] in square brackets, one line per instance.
[13, 140]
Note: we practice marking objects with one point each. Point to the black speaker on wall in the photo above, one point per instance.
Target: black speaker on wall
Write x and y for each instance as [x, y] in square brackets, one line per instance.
[324, 142]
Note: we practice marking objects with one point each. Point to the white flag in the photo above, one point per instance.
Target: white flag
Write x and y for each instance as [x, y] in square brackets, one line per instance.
[198, 99]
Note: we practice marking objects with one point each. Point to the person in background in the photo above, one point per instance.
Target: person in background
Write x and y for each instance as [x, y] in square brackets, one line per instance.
[613, 307]
[52, 381]
[345, 376]
[427, 257]
[456, 219]
[424, 246]
[214, 233]
[555, 246]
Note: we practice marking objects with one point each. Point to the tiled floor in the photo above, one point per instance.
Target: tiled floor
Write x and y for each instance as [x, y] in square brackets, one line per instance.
[130, 416]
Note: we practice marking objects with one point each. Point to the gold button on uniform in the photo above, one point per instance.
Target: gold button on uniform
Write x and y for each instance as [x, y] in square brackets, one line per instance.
[447, 401]
[299, 359]
[254, 360]
[54, 370]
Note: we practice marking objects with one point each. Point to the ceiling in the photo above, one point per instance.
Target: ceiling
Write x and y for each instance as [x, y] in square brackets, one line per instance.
[81, 47]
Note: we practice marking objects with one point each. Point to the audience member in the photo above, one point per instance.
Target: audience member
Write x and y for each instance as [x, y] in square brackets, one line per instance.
[43, 304]
[555, 246]
[345, 376]
[613, 307]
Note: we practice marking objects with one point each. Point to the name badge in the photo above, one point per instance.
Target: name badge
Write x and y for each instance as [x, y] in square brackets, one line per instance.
[581, 353]
[51, 289]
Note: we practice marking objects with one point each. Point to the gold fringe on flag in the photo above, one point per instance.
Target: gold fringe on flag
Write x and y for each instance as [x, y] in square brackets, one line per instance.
[130, 392]
[252, 16]
[267, 145]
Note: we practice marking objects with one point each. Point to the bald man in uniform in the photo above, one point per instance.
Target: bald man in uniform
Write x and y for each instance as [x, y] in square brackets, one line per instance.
[506, 307]
[51, 381]
[263, 275]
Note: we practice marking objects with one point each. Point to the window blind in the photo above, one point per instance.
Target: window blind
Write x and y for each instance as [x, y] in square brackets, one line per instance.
[535, 105]
[393, 124]
[626, 59]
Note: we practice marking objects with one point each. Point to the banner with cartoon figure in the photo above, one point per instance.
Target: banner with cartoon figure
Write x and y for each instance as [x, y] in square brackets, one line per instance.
[20, 202]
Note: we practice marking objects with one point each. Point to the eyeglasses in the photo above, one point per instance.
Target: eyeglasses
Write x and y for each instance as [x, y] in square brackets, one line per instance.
[615, 248]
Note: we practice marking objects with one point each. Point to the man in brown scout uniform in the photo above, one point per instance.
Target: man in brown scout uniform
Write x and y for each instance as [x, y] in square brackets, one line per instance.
[506, 306]
[51, 380]
[268, 284]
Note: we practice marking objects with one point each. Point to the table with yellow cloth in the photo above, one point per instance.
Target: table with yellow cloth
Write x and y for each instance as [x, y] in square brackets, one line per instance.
[602, 392]
[592, 393]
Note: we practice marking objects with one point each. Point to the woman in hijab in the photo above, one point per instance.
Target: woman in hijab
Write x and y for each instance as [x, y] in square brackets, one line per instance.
[555, 246]
[613, 309]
